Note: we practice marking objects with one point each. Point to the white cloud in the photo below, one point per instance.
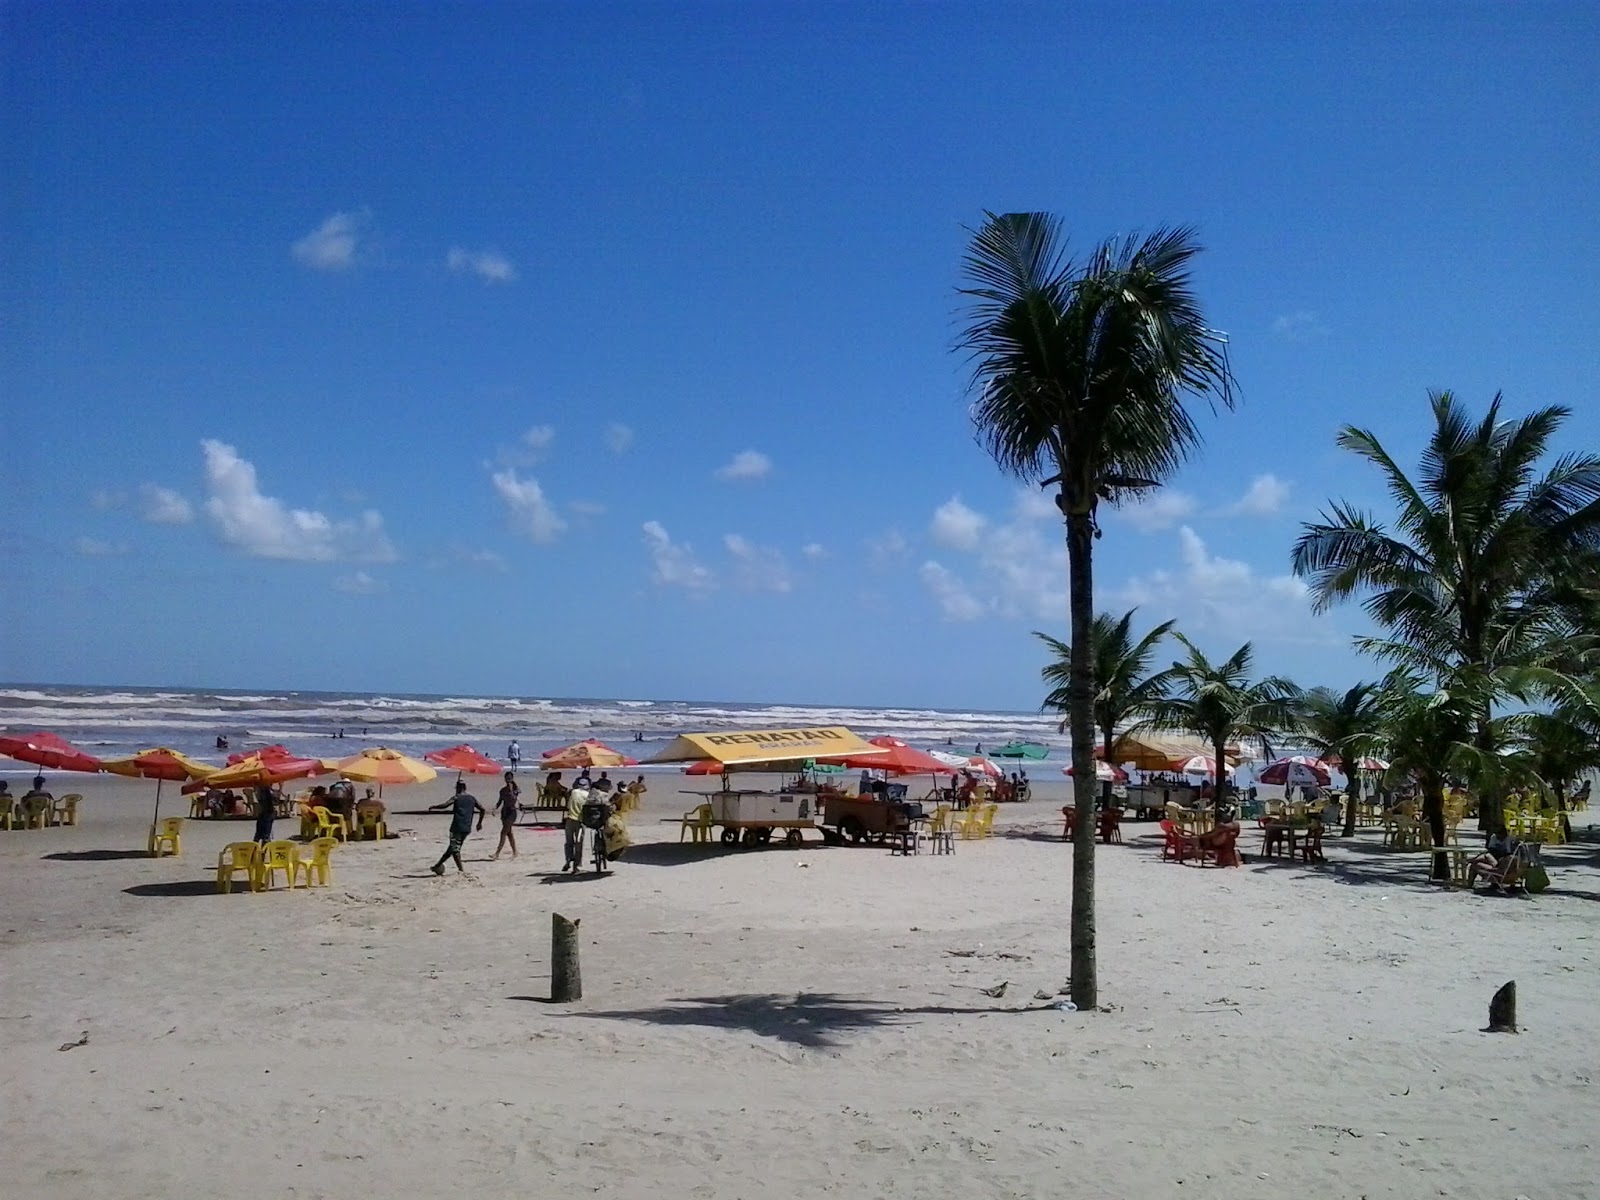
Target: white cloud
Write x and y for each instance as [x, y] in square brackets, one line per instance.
[527, 510]
[815, 551]
[586, 508]
[757, 568]
[539, 437]
[332, 245]
[673, 563]
[359, 583]
[746, 466]
[619, 437]
[957, 526]
[264, 527]
[1156, 509]
[1211, 594]
[95, 548]
[104, 498]
[1036, 504]
[163, 506]
[1265, 495]
[488, 265]
[1299, 326]
[956, 602]
[888, 550]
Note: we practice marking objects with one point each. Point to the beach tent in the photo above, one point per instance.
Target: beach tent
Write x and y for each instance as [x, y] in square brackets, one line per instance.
[750, 747]
[47, 750]
[161, 764]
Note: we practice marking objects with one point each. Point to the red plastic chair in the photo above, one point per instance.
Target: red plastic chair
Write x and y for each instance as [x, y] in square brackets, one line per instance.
[1177, 846]
[1111, 825]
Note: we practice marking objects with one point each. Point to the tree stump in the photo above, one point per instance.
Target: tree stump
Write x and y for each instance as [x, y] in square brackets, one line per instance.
[566, 981]
[1503, 1010]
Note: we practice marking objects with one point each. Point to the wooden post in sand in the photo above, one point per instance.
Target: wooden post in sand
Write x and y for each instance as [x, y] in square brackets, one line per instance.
[566, 981]
[1503, 1010]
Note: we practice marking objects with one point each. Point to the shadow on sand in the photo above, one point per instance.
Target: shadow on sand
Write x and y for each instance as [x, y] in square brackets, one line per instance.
[189, 887]
[94, 855]
[817, 1020]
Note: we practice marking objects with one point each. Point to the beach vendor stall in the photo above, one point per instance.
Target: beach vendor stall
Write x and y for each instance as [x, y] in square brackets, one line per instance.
[751, 816]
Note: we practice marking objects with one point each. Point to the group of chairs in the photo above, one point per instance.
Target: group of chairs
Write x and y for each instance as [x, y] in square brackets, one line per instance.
[318, 821]
[305, 865]
[39, 812]
[1109, 821]
[1180, 845]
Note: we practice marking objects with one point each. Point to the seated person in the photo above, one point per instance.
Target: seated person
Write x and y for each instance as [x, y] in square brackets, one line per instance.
[968, 790]
[216, 802]
[369, 803]
[1500, 863]
[6, 798]
[553, 793]
[36, 799]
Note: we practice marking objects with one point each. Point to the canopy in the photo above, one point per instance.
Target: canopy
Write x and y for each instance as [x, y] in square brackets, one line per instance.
[747, 746]
[1160, 751]
[49, 750]
[894, 756]
[591, 752]
[1034, 750]
[1297, 772]
[1104, 772]
[381, 766]
[253, 769]
[464, 758]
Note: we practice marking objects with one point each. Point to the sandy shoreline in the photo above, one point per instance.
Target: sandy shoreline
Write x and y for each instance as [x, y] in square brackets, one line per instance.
[782, 1023]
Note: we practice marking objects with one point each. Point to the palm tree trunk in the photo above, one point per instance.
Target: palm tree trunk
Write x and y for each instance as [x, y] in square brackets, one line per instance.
[1080, 718]
[1216, 782]
[1491, 799]
[1433, 810]
[1108, 736]
[1352, 797]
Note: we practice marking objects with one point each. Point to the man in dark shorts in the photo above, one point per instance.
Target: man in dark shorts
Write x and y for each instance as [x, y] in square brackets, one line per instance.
[463, 807]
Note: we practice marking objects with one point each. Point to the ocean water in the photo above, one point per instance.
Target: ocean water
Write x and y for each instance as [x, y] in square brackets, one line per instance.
[113, 721]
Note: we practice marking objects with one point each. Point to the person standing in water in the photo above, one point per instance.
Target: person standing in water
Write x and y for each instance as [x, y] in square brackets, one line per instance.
[462, 807]
[508, 816]
[514, 755]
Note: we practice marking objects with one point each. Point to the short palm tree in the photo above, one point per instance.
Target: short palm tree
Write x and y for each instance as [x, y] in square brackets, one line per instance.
[1081, 371]
[1222, 704]
[1488, 565]
[1561, 746]
[1343, 725]
[1124, 687]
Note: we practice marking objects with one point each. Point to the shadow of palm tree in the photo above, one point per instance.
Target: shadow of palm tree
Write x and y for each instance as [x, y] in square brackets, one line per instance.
[816, 1020]
[94, 855]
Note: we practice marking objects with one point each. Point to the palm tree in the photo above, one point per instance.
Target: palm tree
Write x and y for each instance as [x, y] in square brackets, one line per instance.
[1124, 688]
[1562, 745]
[1344, 726]
[1219, 702]
[1080, 376]
[1488, 565]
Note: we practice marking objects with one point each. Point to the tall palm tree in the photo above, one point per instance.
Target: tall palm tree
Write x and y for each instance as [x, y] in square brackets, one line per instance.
[1343, 725]
[1488, 564]
[1124, 687]
[1081, 371]
[1220, 702]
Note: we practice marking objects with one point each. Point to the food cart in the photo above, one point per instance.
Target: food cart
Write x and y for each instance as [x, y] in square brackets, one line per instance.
[753, 816]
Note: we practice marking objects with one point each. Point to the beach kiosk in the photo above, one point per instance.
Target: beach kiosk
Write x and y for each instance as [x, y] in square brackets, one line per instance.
[752, 816]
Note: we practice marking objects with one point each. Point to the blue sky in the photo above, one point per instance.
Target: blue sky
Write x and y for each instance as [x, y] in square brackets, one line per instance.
[607, 349]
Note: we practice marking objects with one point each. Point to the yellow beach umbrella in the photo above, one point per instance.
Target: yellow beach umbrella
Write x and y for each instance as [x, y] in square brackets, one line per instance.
[161, 764]
[380, 765]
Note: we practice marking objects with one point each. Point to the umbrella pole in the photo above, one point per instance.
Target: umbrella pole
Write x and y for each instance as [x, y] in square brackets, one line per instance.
[155, 817]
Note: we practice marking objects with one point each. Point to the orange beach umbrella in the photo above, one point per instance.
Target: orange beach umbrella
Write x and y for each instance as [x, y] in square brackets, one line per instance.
[591, 752]
[381, 766]
[160, 763]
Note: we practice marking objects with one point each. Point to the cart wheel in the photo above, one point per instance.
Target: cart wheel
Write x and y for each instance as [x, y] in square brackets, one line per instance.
[750, 837]
[853, 829]
[730, 837]
[793, 839]
[763, 836]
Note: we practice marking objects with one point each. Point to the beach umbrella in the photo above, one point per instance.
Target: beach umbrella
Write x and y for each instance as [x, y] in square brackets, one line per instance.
[463, 759]
[1297, 771]
[1018, 749]
[160, 763]
[267, 752]
[588, 753]
[380, 765]
[706, 766]
[894, 757]
[47, 750]
[250, 770]
[1366, 763]
[1199, 764]
[1105, 772]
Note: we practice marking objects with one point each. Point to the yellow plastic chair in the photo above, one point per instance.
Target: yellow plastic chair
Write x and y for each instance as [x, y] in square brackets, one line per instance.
[696, 825]
[168, 838]
[942, 830]
[308, 821]
[986, 819]
[330, 824]
[370, 826]
[66, 810]
[317, 869]
[275, 857]
[242, 857]
[35, 813]
[970, 825]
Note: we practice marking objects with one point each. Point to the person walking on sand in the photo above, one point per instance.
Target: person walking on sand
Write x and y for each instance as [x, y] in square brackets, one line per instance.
[508, 816]
[572, 826]
[463, 806]
[266, 812]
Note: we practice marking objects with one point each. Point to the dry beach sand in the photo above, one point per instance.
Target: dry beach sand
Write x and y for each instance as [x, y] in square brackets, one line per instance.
[782, 1023]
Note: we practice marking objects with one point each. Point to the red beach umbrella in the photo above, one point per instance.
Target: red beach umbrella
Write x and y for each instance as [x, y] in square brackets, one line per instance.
[708, 766]
[463, 758]
[895, 758]
[48, 750]
[1298, 771]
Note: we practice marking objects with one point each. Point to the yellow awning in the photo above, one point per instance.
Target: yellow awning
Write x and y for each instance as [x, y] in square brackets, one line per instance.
[764, 745]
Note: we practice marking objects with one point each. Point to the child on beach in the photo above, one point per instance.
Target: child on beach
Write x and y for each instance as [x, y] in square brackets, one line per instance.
[463, 806]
